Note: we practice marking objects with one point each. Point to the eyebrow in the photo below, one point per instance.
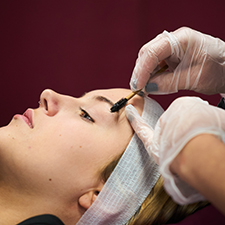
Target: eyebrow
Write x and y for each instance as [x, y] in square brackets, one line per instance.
[103, 99]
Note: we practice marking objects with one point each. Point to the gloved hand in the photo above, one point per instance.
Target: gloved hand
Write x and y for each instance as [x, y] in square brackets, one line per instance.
[185, 118]
[196, 62]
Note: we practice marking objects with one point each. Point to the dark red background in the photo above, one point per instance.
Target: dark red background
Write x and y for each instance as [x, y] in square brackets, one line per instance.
[80, 45]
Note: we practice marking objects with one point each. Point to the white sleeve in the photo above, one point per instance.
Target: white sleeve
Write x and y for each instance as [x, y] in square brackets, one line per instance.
[180, 191]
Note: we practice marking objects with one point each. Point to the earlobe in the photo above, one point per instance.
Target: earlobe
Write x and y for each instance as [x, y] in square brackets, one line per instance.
[88, 198]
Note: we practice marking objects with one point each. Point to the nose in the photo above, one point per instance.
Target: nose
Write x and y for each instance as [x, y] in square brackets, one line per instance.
[50, 102]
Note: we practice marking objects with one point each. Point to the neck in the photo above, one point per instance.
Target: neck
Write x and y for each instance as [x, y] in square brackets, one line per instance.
[16, 207]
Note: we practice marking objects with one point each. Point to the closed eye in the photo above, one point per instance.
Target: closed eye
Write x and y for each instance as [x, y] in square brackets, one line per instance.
[85, 115]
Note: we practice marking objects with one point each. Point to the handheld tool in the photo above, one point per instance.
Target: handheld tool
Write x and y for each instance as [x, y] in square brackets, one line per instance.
[122, 102]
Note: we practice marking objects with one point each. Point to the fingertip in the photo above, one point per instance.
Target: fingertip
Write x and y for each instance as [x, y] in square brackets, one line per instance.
[134, 77]
[129, 115]
[131, 112]
[130, 118]
[133, 84]
[129, 108]
[151, 87]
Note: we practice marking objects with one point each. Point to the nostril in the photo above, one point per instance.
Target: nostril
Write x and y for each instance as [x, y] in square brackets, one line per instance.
[97, 192]
[46, 104]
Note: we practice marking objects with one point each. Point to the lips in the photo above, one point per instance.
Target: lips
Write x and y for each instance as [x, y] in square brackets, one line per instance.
[28, 117]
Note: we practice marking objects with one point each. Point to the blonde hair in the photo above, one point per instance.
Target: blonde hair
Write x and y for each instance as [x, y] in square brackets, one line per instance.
[158, 207]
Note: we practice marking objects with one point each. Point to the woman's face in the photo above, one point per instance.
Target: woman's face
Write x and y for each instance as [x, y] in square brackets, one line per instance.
[62, 145]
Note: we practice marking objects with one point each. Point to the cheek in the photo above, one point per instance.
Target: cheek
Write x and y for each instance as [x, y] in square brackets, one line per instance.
[78, 148]
[114, 141]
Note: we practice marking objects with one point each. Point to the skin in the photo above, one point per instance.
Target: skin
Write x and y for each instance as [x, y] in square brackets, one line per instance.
[56, 163]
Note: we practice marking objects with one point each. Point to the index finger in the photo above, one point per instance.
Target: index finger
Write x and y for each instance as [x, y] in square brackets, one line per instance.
[149, 57]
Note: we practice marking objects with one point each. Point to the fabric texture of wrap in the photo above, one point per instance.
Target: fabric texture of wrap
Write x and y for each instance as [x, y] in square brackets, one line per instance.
[131, 181]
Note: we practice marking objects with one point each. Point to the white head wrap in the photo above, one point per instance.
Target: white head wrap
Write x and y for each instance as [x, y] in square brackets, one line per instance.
[130, 182]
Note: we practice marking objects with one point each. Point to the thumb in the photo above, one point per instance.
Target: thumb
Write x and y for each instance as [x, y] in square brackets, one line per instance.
[143, 130]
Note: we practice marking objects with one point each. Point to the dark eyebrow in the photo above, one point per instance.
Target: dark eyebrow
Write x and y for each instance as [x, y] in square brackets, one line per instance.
[103, 99]
[100, 98]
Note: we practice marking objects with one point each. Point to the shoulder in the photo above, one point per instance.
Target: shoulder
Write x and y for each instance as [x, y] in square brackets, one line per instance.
[42, 220]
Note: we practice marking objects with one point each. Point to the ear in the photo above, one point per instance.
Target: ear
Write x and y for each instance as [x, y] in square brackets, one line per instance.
[88, 198]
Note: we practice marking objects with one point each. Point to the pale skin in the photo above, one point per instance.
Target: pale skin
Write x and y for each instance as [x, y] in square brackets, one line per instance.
[52, 165]
[201, 164]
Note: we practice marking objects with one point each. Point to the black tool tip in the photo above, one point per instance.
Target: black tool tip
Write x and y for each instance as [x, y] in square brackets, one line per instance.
[113, 109]
[118, 105]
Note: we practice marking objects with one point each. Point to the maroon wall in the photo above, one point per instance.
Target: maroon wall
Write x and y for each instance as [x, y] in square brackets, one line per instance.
[80, 45]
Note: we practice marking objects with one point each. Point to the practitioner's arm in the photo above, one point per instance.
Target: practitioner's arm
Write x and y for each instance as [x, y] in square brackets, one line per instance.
[201, 164]
[187, 119]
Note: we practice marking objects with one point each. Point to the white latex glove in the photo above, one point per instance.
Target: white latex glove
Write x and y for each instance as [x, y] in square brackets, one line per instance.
[186, 118]
[196, 62]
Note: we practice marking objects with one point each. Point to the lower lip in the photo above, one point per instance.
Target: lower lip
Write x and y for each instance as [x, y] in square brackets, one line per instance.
[23, 118]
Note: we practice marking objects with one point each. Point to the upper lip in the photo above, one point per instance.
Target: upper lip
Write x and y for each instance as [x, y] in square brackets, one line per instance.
[29, 115]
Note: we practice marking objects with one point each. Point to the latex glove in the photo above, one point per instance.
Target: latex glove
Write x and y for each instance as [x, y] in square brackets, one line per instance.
[196, 62]
[185, 118]
[143, 130]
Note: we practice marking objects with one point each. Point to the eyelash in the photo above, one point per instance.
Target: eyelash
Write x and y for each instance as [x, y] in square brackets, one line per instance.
[85, 115]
